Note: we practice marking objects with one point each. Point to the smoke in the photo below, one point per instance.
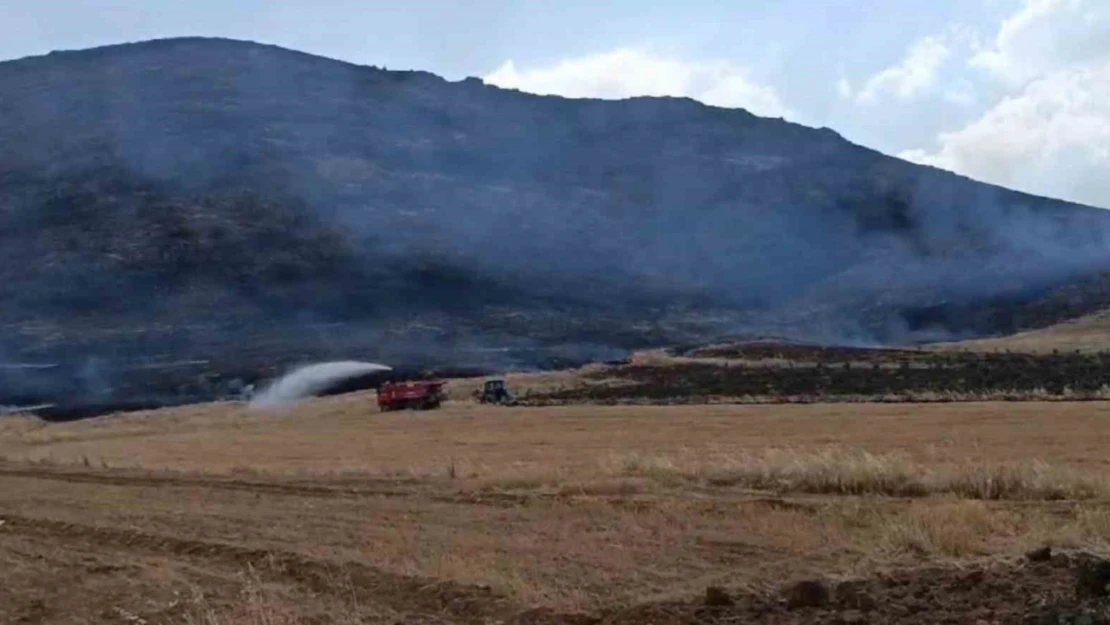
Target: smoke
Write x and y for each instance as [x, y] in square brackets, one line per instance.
[445, 224]
[308, 380]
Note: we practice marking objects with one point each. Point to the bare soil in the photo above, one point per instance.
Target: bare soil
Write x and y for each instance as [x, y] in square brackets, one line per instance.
[1010, 592]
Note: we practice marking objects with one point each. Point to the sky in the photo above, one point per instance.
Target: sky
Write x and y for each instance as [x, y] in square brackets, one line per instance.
[1012, 92]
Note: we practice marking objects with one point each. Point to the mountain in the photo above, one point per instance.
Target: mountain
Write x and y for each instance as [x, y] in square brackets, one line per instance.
[242, 205]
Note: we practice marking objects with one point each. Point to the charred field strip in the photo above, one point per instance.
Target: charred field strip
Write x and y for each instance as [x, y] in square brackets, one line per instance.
[75, 388]
[64, 391]
[787, 372]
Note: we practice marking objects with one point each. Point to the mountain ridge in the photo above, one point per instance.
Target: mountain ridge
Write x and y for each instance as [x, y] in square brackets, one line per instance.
[208, 197]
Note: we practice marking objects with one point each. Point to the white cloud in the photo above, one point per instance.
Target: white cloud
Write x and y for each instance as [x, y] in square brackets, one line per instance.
[916, 72]
[917, 155]
[961, 93]
[1052, 138]
[844, 88]
[1046, 35]
[1050, 132]
[626, 73]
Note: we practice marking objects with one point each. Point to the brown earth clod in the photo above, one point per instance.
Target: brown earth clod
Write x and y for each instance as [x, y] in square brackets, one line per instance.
[1044, 554]
[717, 597]
[807, 594]
[1092, 579]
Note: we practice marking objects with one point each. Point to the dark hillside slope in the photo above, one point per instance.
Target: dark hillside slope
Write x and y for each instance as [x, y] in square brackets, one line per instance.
[245, 205]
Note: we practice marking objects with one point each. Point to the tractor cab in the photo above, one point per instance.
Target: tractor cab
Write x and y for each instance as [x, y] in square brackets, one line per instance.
[494, 391]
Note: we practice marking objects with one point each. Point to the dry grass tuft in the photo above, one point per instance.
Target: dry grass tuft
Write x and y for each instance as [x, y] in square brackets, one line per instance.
[837, 471]
[830, 471]
[954, 529]
[1082, 527]
[260, 603]
[257, 606]
[1028, 480]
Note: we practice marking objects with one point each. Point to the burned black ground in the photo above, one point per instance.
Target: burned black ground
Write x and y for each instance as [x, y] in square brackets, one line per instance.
[768, 371]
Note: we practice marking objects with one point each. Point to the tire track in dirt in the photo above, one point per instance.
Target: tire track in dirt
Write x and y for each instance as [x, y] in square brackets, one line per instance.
[460, 603]
[1010, 590]
[182, 481]
[496, 499]
[389, 489]
[413, 489]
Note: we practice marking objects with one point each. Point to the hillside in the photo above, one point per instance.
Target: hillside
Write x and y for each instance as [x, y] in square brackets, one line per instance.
[1090, 333]
[244, 206]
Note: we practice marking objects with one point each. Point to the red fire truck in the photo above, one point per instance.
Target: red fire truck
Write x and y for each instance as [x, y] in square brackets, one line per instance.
[418, 395]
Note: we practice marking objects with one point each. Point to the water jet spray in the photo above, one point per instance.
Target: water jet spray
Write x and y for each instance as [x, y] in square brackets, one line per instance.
[309, 380]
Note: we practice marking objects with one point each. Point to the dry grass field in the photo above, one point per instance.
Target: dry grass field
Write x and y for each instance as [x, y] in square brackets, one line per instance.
[330, 512]
[1085, 334]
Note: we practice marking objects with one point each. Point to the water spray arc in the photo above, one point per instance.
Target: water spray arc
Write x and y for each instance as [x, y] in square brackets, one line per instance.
[308, 380]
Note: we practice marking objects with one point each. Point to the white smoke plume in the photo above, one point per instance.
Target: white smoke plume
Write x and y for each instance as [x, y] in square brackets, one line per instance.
[308, 380]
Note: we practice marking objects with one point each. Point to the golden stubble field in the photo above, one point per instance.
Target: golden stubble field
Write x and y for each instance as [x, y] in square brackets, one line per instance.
[1090, 333]
[333, 512]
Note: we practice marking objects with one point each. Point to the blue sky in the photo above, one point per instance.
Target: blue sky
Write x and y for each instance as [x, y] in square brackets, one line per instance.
[1015, 92]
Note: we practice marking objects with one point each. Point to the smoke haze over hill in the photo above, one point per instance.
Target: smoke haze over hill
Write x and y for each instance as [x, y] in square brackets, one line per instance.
[247, 206]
